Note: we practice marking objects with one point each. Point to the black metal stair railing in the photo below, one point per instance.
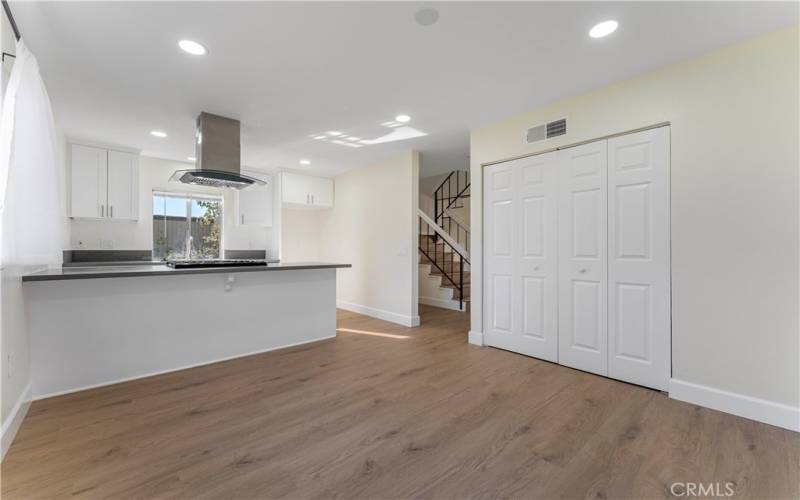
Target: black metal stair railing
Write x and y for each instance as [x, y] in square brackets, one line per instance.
[450, 195]
[443, 255]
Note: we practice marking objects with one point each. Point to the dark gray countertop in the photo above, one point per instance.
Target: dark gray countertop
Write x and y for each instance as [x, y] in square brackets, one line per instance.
[132, 271]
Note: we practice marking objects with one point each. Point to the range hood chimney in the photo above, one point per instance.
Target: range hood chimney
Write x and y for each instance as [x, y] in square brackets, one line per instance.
[218, 151]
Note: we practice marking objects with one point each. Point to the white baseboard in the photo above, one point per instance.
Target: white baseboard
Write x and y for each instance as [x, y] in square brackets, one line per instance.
[184, 367]
[400, 319]
[443, 303]
[476, 338]
[761, 410]
[14, 420]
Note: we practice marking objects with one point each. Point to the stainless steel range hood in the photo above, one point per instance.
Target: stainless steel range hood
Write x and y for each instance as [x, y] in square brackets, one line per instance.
[218, 151]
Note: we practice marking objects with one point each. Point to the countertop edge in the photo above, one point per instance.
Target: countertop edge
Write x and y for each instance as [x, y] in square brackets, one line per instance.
[75, 275]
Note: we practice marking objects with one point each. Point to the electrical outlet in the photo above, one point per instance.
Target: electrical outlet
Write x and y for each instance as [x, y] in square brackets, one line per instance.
[80, 244]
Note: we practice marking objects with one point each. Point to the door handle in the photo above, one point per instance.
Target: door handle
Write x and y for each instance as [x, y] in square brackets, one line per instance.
[536, 267]
[582, 270]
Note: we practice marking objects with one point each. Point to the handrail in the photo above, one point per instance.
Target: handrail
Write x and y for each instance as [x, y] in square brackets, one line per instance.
[458, 220]
[462, 252]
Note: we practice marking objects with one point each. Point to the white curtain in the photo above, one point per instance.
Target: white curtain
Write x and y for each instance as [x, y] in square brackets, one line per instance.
[30, 206]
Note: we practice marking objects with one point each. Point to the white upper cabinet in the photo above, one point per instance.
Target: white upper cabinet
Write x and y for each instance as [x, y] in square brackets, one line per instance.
[104, 183]
[254, 204]
[306, 191]
[123, 185]
[89, 182]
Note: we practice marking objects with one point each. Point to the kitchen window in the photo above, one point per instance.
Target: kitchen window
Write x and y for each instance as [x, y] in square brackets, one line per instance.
[186, 226]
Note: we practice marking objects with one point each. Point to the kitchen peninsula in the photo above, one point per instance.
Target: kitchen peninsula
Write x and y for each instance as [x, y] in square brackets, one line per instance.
[93, 326]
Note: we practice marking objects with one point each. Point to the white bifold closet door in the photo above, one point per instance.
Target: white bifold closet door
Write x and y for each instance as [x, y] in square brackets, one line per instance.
[638, 258]
[576, 257]
[582, 262]
[520, 207]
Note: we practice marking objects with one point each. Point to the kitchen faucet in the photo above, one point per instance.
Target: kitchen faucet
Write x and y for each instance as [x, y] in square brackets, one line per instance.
[187, 250]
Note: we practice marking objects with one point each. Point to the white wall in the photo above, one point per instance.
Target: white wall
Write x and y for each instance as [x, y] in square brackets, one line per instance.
[154, 174]
[734, 196]
[374, 227]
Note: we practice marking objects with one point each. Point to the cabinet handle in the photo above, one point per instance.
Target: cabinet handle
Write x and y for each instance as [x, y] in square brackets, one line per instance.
[102, 210]
[111, 209]
[312, 199]
[242, 216]
[582, 270]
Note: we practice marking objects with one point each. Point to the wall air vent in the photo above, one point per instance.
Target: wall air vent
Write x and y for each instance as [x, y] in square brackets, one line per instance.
[546, 131]
[556, 128]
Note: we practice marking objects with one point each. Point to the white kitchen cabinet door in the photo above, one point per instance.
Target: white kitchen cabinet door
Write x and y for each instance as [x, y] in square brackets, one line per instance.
[501, 323]
[638, 246]
[532, 264]
[254, 204]
[294, 189]
[88, 181]
[123, 186]
[306, 190]
[321, 190]
[583, 266]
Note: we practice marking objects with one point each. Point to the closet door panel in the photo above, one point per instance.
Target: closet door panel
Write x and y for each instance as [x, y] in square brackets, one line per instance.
[638, 288]
[520, 246]
[582, 277]
[537, 264]
[499, 242]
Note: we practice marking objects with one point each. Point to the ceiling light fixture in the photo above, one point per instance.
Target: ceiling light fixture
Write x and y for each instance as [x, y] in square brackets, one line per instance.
[305, 162]
[333, 133]
[605, 28]
[158, 133]
[192, 47]
[402, 118]
[191, 158]
[320, 137]
[427, 16]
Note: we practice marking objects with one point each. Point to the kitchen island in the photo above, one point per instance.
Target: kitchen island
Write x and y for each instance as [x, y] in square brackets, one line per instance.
[93, 326]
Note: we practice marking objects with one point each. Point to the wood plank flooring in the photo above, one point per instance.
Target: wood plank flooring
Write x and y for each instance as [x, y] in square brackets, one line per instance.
[385, 411]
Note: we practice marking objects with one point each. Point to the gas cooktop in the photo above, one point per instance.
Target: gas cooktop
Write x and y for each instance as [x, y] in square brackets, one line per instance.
[186, 264]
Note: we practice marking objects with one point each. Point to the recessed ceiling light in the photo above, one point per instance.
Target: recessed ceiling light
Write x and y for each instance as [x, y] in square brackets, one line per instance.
[603, 29]
[305, 162]
[191, 158]
[320, 137]
[352, 138]
[333, 133]
[402, 118]
[426, 16]
[192, 47]
[158, 133]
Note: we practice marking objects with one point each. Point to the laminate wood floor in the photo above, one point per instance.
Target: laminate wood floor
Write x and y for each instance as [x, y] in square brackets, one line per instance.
[385, 411]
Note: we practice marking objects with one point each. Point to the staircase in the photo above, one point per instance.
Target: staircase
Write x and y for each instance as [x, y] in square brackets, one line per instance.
[444, 247]
[442, 268]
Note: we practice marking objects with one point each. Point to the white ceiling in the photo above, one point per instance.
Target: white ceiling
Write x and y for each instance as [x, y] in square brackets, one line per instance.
[289, 70]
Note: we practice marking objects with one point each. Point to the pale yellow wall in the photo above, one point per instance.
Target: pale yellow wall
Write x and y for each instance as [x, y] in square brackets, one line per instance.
[373, 226]
[734, 196]
[300, 235]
